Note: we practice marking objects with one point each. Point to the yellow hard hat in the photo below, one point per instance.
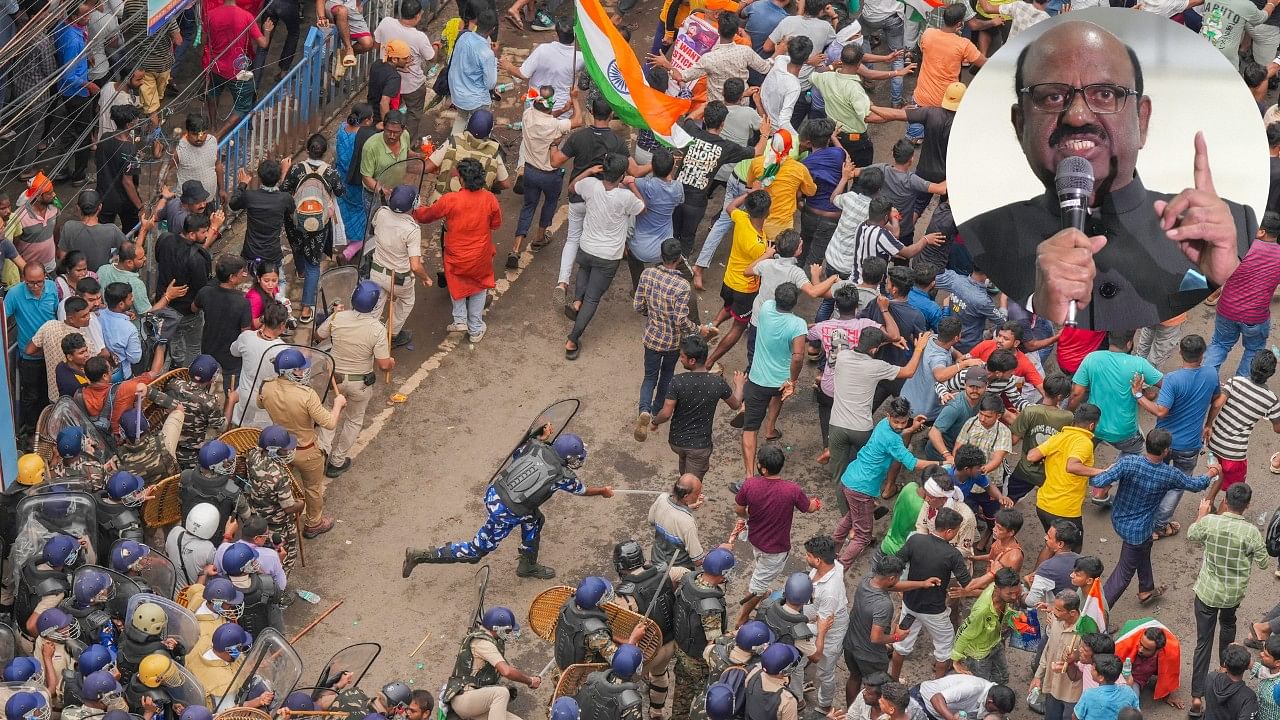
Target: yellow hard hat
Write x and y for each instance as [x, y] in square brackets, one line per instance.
[32, 470]
[156, 669]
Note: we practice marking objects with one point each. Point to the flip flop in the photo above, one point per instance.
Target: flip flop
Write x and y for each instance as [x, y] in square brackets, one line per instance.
[774, 438]
[1274, 467]
[1153, 597]
[539, 244]
[573, 354]
[516, 22]
[349, 60]
[1169, 530]
[1252, 641]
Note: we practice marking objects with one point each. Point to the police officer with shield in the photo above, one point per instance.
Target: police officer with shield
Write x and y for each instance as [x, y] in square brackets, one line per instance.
[213, 482]
[700, 618]
[649, 590]
[44, 580]
[118, 516]
[613, 694]
[360, 350]
[90, 592]
[582, 632]
[513, 501]
[473, 690]
[786, 619]
[766, 686]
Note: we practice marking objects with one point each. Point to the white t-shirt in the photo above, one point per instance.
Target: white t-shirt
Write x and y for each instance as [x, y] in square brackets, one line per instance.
[552, 64]
[960, 692]
[102, 25]
[254, 353]
[108, 97]
[609, 213]
[772, 273]
[779, 92]
[420, 48]
[820, 31]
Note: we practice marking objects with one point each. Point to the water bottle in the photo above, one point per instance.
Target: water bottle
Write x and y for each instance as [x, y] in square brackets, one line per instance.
[1127, 671]
[1033, 697]
[503, 87]
[517, 125]
[309, 596]
[962, 715]
[1262, 520]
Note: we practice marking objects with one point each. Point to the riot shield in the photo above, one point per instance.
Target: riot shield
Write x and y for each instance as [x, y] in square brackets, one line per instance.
[9, 689]
[558, 415]
[336, 286]
[124, 588]
[355, 659]
[336, 705]
[72, 483]
[270, 665]
[157, 571]
[181, 623]
[182, 686]
[319, 375]
[39, 517]
[8, 644]
[66, 413]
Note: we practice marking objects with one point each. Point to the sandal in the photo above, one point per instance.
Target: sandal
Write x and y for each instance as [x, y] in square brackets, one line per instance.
[539, 244]
[774, 438]
[1274, 466]
[572, 354]
[1152, 596]
[515, 21]
[1169, 530]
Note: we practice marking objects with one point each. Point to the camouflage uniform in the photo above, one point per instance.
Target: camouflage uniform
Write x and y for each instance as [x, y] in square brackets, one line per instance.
[203, 413]
[93, 472]
[147, 457]
[270, 492]
[690, 672]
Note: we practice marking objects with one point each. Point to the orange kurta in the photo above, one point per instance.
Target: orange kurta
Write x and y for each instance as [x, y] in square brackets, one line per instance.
[470, 217]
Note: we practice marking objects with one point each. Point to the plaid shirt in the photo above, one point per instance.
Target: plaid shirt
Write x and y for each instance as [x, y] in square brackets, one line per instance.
[1230, 542]
[663, 295]
[35, 66]
[1142, 486]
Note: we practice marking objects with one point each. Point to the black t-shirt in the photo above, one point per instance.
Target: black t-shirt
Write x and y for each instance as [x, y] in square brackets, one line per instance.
[871, 608]
[587, 146]
[384, 81]
[226, 315]
[937, 133]
[265, 211]
[910, 322]
[185, 263]
[929, 556]
[696, 394]
[114, 159]
[1273, 193]
[703, 158]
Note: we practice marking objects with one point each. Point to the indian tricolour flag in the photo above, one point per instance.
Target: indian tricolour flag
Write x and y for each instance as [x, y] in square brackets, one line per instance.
[1093, 612]
[918, 10]
[615, 69]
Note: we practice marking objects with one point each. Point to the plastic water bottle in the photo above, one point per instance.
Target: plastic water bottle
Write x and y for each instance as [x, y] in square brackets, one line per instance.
[1033, 697]
[517, 125]
[1127, 671]
[962, 715]
[309, 596]
[504, 87]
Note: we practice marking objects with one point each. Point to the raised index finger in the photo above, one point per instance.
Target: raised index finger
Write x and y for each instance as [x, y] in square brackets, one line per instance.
[1202, 175]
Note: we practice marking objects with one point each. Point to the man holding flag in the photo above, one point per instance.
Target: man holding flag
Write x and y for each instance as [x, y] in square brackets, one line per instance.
[1151, 650]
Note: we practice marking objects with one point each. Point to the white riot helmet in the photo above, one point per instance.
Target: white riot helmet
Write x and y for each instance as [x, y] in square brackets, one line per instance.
[202, 521]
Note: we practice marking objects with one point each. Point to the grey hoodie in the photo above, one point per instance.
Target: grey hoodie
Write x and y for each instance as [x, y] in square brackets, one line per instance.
[1229, 699]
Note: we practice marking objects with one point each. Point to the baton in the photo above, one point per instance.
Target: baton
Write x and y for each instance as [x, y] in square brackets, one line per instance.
[655, 493]
[137, 421]
[550, 664]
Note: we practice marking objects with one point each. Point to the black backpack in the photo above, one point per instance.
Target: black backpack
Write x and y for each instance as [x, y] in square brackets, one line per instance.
[1273, 535]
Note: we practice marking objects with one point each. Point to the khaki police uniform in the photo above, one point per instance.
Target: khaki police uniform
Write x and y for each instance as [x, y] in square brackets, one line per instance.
[297, 409]
[358, 340]
[489, 702]
[397, 238]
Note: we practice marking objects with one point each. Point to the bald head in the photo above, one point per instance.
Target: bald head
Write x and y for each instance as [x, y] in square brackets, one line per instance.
[687, 490]
[1056, 117]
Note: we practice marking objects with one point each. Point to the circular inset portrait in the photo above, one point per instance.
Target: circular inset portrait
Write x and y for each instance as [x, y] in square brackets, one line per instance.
[1094, 183]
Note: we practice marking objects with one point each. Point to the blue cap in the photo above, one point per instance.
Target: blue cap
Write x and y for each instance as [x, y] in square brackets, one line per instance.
[203, 368]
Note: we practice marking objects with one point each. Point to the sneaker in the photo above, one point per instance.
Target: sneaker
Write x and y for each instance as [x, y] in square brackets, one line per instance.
[456, 328]
[542, 22]
[478, 336]
[642, 427]
[313, 531]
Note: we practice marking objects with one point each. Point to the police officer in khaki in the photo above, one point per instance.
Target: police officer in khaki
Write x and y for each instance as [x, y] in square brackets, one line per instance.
[473, 691]
[397, 258]
[293, 405]
[360, 350]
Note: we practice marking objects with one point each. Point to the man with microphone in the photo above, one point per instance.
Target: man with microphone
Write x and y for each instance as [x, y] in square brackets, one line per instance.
[1136, 257]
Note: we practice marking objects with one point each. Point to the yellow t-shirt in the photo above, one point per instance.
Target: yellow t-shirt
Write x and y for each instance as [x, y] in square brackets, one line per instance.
[1063, 493]
[792, 178]
[748, 246]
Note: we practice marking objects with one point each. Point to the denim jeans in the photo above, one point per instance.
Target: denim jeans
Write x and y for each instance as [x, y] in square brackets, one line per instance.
[470, 310]
[594, 277]
[310, 273]
[827, 308]
[188, 26]
[539, 185]
[1225, 334]
[893, 29]
[659, 367]
[1184, 460]
[733, 190]
[186, 340]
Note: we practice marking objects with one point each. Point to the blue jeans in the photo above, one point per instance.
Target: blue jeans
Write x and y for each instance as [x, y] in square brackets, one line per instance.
[310, 273]
[1225, 334]
[470, 310]
[733, 190]
[539, 185]
[893, 28]
[827, 308]
[189, 28]
[497, 526]
[659, 367]
[1184, 460]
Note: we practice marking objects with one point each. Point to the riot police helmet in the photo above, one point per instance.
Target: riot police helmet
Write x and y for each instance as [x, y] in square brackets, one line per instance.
[126, 487]
[718, 562]
[61, 550]
[92, 585]
[592, 592]
[217, 457]
[798, 590]
[126, 554]
[779, 658]
[626, 661]
[753, 636]
[365, 297]
[628, 556]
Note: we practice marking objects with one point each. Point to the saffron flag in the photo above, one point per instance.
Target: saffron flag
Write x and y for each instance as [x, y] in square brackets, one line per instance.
[1093, 612]
[618, 74]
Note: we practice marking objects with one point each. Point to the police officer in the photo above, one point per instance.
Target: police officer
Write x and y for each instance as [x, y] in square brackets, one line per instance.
[201, 410]
[720, 703]
[293, 405]
[565, 708]
[397, 259]
[729, 658]
[700, 618]
[766, 686]
[44, 580]
[56, 645]
[148, 686]
[262, 598]
[785, 617]
[117, 515]
[98, 693]
[27, 706]
[513, 500]
[473, 690]
[95, 658]
[360, 351]
[648, 590]
[612, 694]
[215, 603]
[213, 482]
[270, 491]
[216, 668]
[146, 451]
[73, 463]
[90, 592]
[144, 637]
[582, 632]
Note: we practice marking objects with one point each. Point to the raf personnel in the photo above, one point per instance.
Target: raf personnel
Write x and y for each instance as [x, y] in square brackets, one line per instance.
[213, 482]
[293, 405]
[270, 491]
[360, 350]
[147, 452]
[648, 589]
[473, 691]
[700, 618]
[612, 693]
[118, 516]
[582, 633]
[766, 685]
[201, 411]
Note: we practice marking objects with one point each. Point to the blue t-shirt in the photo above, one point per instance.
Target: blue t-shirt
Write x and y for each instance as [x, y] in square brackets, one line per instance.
[1187, 393]
[967, 486]
[825, 166]
[30, 312]
[921, 301]
[919, 388]
[1109, 377]
[771, 366]
[950, 420]
[971, 303]
[910, 324]
[661, 198]
[866, 473]
[762, 18]
[1105, 702]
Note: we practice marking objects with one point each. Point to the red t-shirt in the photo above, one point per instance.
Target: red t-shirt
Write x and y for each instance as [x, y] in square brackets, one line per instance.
[226, 29]
[1074, 344]
[771, 504]
[1025, 369]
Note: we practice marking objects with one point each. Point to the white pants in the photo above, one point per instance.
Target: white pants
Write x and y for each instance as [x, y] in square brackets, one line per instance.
[489, 703]
[404, 295]
[577, 213]
[832, 650]
[941, 632]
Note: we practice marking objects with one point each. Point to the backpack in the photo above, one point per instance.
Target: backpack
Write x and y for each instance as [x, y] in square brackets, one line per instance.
[1273, 534]
[313, 203]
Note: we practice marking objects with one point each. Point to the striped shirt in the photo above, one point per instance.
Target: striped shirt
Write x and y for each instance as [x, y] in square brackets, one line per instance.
[853, 212]
[1246, 296]
[868, 240]
[1247, 403]
[1005, 388]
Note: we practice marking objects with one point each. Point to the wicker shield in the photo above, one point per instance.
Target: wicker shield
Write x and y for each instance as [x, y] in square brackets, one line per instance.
[242, 713]
[243, 439]
[154, 413]
[165, 506]
[574, 677]
[545, 609]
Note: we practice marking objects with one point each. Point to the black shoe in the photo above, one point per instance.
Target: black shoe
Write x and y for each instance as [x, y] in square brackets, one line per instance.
[513, 261]
[402, 338]
[571, 312]
[333, 471]
[529, 568]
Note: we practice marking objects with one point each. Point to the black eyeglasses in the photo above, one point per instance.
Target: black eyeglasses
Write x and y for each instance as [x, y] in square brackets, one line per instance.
[1101, 98]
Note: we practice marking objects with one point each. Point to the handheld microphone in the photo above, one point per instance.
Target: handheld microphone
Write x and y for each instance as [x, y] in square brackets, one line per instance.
[1074, 183]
